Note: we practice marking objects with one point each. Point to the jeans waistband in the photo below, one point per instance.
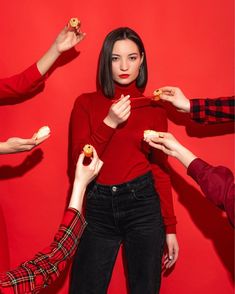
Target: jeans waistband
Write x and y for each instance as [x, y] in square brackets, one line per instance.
[136, 183]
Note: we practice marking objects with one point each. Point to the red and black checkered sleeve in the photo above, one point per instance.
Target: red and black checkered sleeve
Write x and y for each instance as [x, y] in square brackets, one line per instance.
[211, 111]
[46, 266]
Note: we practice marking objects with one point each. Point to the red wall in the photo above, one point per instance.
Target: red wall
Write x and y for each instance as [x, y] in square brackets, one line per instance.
[189, 44]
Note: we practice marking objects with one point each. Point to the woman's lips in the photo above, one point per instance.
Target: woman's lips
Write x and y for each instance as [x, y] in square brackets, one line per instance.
[124, 76]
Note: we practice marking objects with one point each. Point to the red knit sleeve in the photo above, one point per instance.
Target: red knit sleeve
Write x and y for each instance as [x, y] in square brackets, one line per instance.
[21, 84]
[159, 164]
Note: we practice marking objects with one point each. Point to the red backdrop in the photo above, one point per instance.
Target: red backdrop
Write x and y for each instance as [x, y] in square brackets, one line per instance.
[189, 44]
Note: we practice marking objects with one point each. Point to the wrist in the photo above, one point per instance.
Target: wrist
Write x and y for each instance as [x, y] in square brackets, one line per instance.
[185, 156]
[5, 148]
[54, 50]
[109, 122]
[77, 195]
[187, 105]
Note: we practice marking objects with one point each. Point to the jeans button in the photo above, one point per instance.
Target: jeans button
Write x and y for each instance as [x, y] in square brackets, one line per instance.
[114, 188]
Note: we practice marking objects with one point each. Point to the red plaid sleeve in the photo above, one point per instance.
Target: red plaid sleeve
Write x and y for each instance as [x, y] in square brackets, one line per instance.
[211, 111]
[39, 272]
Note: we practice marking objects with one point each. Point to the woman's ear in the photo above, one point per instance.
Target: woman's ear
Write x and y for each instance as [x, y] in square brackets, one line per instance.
[142, 58]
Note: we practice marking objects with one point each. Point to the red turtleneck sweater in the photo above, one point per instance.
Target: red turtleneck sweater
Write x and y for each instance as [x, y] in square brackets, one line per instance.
[125, 154]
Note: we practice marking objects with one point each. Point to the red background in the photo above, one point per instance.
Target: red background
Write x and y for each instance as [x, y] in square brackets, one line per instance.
[189, 44]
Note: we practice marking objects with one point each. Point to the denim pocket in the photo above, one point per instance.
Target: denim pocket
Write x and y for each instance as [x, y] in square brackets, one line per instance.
[90, 194]
[144, 192]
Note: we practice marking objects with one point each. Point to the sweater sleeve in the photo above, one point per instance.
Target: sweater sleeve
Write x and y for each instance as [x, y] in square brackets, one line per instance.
[83, 132]
[39, 272]
[21, 84]
[217, 184]
[160, 169]
[211, 111]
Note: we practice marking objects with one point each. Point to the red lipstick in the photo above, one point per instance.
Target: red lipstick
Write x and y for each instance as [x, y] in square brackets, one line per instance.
[124, 76]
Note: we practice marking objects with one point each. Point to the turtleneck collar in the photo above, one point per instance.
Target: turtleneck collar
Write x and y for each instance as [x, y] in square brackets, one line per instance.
[130, 89]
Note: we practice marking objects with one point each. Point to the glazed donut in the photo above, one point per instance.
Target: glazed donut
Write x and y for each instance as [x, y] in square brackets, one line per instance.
[88, 150]
[74, 23]
[157, 94]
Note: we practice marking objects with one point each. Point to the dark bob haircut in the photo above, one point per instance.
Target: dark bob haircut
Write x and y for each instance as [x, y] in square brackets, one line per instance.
[105, 60]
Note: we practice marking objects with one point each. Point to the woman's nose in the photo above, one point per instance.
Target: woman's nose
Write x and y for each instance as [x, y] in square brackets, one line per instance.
[124, 65]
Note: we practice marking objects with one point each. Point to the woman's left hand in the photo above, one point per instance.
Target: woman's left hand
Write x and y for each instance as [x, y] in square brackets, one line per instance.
[172, 250]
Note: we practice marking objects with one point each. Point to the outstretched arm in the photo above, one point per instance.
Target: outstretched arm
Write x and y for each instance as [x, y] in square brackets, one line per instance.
[39, 272]
[216, 182]
[66, 39]
[15, 144]
[30, 79]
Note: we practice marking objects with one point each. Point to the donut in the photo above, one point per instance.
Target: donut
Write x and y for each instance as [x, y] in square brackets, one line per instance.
[42, 132]
[74, 23]
[149, 134]
[88, 150]
[157, 94]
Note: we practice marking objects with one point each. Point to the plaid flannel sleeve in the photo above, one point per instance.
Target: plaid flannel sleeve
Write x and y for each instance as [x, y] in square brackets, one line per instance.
[37, 273]
[211, 111]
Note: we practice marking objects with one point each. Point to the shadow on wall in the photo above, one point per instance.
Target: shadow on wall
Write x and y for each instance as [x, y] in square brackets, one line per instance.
[4, 252]
[208, 219]
[9, 172]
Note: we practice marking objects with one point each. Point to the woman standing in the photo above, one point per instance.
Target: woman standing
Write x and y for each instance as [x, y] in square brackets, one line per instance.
[133, 191]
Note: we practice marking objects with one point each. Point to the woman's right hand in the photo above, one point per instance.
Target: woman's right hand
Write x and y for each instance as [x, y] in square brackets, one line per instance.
[119, 112]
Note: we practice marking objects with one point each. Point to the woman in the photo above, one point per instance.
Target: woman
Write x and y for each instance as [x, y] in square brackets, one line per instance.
[123, 205]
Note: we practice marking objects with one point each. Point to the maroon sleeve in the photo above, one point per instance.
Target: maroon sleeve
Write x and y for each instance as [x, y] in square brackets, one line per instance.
[21, 84]
[217, 184]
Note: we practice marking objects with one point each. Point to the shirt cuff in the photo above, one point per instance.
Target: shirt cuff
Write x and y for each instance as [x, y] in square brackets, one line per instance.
[195, 168]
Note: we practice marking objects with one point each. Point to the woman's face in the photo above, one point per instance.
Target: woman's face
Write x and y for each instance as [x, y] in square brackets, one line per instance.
[126, 61]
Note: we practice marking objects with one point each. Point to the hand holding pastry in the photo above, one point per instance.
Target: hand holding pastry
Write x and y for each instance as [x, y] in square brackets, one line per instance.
[176, 97]
[70, 36]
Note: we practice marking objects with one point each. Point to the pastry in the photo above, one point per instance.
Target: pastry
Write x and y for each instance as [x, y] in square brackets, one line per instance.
[74, 23]
[42, 132]
[157, 94]
[149, 134]
[88, 150]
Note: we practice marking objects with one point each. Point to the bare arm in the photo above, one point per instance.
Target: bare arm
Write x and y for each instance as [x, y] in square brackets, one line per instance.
[65, 40]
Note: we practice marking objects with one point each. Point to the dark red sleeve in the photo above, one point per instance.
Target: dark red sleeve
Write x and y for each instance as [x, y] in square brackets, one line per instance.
[159, 164]
[217, 184]
[21, 84]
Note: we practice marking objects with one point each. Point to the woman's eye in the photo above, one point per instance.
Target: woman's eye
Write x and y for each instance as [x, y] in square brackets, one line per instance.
[133, 58]
[114, 58]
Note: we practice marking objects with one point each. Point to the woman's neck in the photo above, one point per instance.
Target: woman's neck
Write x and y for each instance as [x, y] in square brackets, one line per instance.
[129, 89]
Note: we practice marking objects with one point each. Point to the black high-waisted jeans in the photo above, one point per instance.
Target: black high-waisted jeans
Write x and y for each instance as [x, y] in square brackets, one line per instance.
[130, 214]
